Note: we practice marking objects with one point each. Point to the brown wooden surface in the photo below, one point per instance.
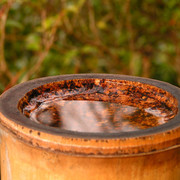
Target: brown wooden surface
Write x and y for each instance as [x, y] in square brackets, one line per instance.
[33, 151]
[23, 162]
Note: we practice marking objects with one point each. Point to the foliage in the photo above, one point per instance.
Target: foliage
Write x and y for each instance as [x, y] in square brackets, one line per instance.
[43, 38]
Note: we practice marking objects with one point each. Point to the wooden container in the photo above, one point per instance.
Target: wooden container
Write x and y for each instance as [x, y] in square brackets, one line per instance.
[139, 147]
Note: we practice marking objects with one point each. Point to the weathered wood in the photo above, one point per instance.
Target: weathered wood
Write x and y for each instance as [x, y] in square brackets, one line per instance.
[24, 162]
[30, 151]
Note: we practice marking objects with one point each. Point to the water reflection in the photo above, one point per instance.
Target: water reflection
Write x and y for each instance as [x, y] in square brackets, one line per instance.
[97, 116]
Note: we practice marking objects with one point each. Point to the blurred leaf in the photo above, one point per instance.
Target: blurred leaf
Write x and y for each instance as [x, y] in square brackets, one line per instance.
[74, 7]
[70, 56]
[2, 87]
[124, 56]
[101, 25]
[171, 3]
[165, 72]
[113, 37]
[33, 42]
[11, 23]
[49, 22]
[136, 64]
[88, 49]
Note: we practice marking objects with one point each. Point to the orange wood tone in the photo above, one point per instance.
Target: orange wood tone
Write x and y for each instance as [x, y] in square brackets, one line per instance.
[32, 151]
[21, 161]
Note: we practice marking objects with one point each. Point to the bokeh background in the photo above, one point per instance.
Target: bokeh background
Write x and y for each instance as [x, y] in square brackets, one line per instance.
[52, 37]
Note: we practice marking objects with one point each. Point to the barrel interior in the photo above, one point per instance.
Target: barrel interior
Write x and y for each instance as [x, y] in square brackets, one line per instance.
[99, 105]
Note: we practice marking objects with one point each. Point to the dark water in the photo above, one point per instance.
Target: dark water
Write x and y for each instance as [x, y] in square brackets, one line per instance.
[97, 116]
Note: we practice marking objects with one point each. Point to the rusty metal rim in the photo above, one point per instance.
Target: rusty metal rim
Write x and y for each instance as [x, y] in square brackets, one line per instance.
[15, 121]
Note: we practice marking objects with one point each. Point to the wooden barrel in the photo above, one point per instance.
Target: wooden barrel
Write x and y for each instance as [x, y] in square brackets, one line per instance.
[131, 145]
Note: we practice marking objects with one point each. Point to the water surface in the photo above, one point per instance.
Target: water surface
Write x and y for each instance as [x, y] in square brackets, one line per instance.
[98, 116]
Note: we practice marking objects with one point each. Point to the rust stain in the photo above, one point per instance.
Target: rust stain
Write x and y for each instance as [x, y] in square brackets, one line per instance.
[102, 98]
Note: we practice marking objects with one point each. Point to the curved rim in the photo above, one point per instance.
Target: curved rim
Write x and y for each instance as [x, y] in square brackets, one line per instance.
[10, 114]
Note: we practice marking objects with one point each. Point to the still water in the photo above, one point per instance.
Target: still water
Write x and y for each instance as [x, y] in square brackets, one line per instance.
[98, 116]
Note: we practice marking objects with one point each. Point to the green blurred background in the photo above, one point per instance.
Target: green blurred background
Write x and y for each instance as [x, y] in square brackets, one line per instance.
[52, 37]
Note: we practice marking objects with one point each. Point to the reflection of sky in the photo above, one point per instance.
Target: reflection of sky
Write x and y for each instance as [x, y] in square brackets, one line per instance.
[91, 116]
[75, 113]
[95, 116]
[155, 112]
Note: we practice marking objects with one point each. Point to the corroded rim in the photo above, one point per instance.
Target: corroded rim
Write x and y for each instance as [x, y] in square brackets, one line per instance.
[93, 144]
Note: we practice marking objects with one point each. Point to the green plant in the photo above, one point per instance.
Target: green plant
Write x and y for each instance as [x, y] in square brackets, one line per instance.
[42, 38]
